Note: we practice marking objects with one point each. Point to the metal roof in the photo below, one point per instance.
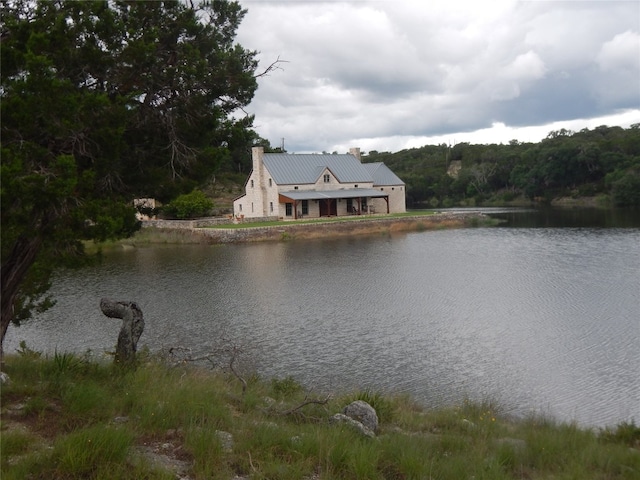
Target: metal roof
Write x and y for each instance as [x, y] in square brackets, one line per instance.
[323, 194]
[299, 169]
[382, 175]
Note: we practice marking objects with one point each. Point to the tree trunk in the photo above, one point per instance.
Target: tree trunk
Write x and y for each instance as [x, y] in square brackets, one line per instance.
[12, 273]
[132, 327]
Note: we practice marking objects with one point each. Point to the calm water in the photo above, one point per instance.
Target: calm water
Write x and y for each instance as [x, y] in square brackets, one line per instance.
[538, 316]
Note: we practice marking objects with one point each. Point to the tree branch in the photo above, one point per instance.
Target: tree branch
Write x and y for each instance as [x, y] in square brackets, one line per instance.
[306, 402]
[274, 66]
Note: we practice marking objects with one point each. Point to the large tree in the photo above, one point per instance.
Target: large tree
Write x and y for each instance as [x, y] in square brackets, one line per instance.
[104, 101]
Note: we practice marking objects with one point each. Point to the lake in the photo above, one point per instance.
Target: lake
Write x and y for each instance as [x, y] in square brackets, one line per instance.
[540, 314]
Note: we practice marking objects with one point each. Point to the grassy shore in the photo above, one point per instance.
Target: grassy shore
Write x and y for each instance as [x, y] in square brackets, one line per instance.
[73, 417]
[304, 229]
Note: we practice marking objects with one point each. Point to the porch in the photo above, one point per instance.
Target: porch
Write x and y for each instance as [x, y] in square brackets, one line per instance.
[331, 203]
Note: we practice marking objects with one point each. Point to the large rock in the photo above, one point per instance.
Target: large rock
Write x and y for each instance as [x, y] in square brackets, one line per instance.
[362, 412]
[341, 418]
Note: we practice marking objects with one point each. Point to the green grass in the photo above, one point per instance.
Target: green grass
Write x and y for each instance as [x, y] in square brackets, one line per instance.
[82, 419]
[307, 221]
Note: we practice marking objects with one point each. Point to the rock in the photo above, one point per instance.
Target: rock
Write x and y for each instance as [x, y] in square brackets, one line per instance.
[362, 412]
[226, 439]
[341, 418]
[4, 379]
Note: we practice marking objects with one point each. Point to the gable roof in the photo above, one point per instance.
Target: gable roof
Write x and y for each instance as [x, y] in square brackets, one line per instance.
[290, 168]
[382, 175]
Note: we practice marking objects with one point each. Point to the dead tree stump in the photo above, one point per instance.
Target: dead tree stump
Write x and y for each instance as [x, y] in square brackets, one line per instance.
[132, 327]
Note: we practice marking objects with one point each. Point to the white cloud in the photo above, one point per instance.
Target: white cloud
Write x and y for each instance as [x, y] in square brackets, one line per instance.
[395, 72]
[622, 52]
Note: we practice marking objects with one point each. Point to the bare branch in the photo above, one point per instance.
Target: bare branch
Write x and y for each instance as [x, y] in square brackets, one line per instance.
[274, 66]
[235, 350]
[306, 402]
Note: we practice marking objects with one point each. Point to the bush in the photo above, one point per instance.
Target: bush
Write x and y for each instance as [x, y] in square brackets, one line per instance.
[189, 205]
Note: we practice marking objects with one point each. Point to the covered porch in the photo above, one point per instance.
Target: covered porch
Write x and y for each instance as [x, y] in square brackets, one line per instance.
[332, 203]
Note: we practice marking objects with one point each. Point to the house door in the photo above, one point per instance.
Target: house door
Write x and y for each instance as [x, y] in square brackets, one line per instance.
[328, 207]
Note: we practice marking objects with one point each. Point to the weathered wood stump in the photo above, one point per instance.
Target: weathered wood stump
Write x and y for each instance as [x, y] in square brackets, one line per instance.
[132, 327]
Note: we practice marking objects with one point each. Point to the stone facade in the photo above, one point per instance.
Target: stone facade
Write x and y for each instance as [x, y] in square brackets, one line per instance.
[287, 192]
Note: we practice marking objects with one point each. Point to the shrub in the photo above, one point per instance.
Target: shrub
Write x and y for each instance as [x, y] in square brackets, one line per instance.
[189, 205]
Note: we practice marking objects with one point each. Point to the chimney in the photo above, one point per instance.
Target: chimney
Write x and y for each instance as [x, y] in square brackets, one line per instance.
[257, 156]
[355, 151]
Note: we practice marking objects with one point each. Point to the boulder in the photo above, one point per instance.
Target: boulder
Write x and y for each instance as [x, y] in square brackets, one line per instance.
[362, 412]
[341, 418]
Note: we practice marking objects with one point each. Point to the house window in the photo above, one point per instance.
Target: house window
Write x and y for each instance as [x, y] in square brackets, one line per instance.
[271, 207]
[382, 189]
[288, 209]
[327, 178]
[295, 188]
[270, 183]
[364, 204]
[349, 205]
[355, 186]
[305, 207]
[251, 207]
[251, 183]
[240, 206]
[393, 188]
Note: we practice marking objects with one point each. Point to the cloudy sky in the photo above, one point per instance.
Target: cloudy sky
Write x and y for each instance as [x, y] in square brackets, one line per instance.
[392, 74]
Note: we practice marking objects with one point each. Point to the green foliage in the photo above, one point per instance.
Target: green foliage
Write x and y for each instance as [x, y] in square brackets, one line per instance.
[625, 186]
[189, 205]
[81, 453]
[104, 102]
[286, 387]
[186, 408]
[563, 163]
[627, 433]
[15, 443]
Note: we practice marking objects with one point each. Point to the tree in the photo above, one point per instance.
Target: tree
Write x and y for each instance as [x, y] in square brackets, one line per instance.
[103, 102]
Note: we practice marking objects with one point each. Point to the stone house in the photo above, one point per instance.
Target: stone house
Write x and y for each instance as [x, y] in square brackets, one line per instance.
[293, 186]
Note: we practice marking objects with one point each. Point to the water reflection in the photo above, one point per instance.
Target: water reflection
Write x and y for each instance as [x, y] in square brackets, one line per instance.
[535, 318]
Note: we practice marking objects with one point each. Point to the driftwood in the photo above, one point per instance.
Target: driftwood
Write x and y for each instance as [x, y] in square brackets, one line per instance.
[132, 327]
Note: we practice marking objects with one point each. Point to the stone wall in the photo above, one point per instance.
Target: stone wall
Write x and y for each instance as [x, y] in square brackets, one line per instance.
[349, 227]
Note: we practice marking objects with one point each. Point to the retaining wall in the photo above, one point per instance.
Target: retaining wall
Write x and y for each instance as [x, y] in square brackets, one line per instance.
[339, 228]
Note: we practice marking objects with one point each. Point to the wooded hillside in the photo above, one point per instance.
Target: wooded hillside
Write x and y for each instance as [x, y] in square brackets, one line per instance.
[603, 162]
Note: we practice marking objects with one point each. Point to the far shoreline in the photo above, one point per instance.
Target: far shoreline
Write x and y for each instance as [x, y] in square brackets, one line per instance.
[213, 231]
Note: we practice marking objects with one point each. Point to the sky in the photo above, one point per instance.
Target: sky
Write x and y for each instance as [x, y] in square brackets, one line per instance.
[388, 75]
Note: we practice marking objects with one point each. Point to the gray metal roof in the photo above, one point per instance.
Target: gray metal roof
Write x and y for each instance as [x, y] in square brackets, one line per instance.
[298, 169]
[345, 193]
[382, 175]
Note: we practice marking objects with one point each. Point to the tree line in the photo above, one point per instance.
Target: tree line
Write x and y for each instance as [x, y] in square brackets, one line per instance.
[604, 161]
[104, 102]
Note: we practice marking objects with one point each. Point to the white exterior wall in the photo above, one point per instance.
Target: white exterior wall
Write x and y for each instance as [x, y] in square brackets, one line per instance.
[261, 193]
[397, 201]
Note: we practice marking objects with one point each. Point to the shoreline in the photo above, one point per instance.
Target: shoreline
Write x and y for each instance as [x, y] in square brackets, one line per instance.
[200, 232]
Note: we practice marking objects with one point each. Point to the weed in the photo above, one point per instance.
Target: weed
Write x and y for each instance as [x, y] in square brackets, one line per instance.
[188, 408]
[626, 432]
[286, 387]
[25, 351]
[14, 443]
[81, 453]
